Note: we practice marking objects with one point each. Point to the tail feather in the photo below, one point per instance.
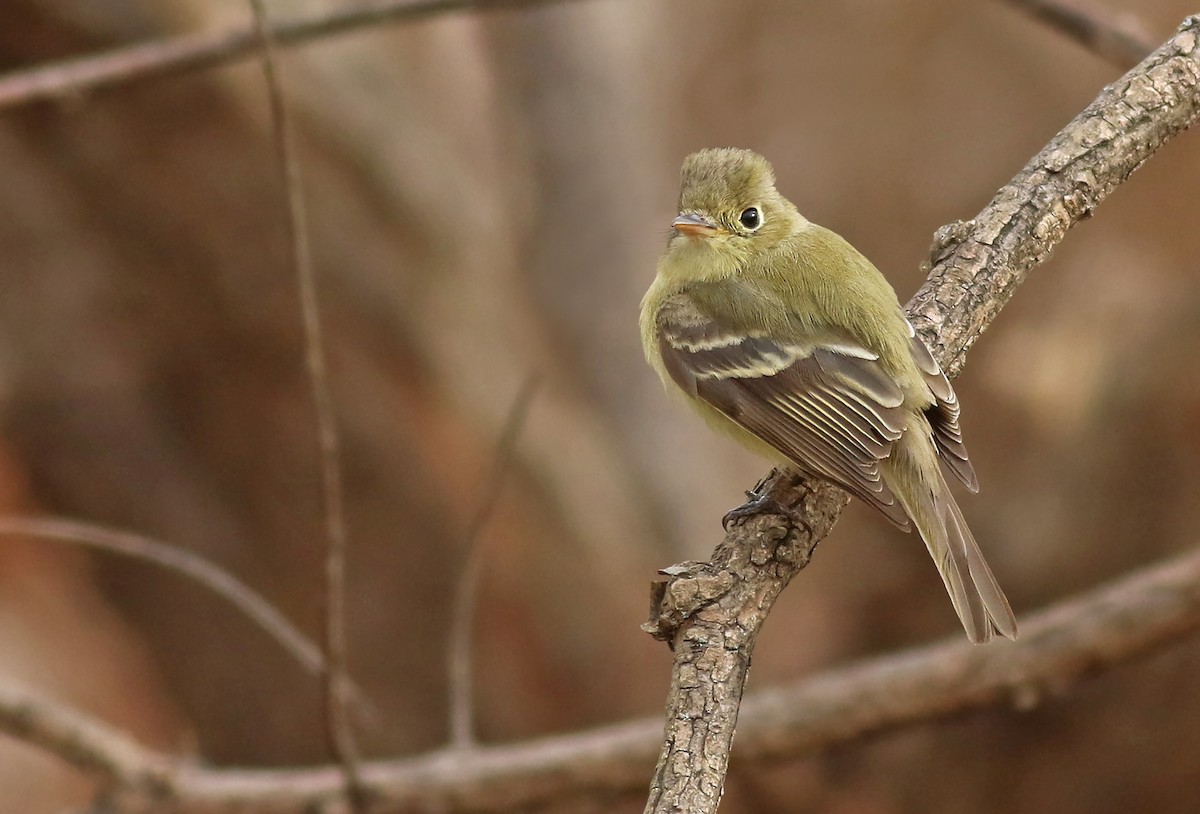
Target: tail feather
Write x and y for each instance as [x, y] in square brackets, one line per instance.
[981, 605]
[999, 614]
[955, 570]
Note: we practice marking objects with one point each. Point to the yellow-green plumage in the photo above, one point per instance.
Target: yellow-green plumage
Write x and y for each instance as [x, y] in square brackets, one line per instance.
[786, 338]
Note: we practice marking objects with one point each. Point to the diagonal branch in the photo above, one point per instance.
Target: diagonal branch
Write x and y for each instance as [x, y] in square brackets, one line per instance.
[978, 265]
[1117, 38]
[83, 742]
[192, 566]
[191, 52]
[711, 612]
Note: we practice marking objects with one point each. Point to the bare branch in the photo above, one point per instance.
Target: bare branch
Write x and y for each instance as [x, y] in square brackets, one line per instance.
[1088, 634]
[462, 727]
[197, 51]
[978, 265]
[712, 612]
[1117, 38]
[1074, 639]
[334, 685]
[257, 609]
[89, 745]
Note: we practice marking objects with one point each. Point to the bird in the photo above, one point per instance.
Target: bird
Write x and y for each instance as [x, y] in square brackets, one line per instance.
[786, 338]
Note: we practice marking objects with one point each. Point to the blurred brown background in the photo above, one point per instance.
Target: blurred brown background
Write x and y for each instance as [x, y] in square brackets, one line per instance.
[488, 196]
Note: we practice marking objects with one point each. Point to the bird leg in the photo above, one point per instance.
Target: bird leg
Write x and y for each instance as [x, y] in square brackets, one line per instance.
[761, 499]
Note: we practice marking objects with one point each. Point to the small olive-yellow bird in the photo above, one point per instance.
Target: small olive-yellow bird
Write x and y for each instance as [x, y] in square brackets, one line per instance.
[786, 338]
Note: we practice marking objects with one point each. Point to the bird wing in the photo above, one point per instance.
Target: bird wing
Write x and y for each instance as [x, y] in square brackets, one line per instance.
[827, 405]
[943, 415]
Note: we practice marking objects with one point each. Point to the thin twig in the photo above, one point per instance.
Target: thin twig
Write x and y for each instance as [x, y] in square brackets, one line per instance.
[462, 726]
[257, 609]
[1117, 38]
[196, 51]
[90, 745]
[338, 729]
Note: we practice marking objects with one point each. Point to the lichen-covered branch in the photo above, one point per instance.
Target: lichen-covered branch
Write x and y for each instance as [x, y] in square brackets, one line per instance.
[976, 268]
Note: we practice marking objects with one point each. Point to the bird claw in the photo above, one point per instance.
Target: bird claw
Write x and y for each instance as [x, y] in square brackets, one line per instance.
[758, 503]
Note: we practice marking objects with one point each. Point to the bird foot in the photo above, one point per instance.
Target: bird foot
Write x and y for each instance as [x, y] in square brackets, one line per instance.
[758, 503]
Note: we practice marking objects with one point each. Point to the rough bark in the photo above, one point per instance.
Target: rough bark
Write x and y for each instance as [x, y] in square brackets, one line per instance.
[1058, 646]
[995, 251]
[711, 612]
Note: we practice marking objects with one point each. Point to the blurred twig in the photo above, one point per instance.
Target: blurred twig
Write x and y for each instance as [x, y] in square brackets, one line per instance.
[1118, 38]
[977, 267]
[1081, 637]
[85, 743]
[338, 730]
[462, 728]
[222, 583]
[191, 52]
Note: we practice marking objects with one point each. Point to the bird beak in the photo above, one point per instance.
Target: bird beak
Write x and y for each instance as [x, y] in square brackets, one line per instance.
[695, 225]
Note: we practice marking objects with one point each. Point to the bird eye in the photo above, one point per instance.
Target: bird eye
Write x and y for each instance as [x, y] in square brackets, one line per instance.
[750, 218]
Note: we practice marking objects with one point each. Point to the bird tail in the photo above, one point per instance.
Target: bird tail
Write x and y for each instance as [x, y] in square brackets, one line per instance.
[981, 605]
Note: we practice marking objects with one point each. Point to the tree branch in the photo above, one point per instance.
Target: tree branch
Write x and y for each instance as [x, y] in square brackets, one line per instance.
[712, 612]
[339, 734]
[977, 266]
[191, 566]
[1119, 39]
[196, 51]
[1082, 636]
[460, 653]
[88, 745]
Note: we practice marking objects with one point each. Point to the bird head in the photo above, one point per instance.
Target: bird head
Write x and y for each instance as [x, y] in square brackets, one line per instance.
[728, 196]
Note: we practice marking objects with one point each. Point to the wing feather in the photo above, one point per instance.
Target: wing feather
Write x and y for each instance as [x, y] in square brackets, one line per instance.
[943, 415]
[827, 405]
